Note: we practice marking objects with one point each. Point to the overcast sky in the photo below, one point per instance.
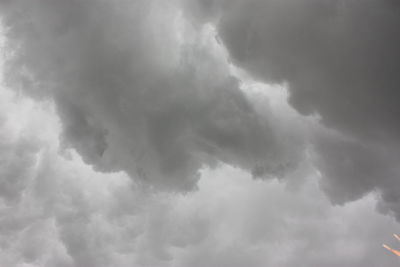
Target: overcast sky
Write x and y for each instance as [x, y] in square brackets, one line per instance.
[199, 133]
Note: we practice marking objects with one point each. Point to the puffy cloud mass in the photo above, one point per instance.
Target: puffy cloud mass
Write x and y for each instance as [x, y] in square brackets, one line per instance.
[131, 132]
[140, 88]
[146, 86]
[339, 59]
[64, 213]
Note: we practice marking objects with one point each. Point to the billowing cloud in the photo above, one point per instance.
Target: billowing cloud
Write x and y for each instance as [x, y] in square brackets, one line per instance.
[68, 214]
[139, 88]
[339, 59]
[109, 102]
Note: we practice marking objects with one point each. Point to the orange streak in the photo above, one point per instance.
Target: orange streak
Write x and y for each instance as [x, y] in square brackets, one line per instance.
[396, 252]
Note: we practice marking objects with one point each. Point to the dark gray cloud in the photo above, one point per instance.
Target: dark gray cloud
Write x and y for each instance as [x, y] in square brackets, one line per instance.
[67, 214]
[138, 88]
[145, 87]
[339, 59]
[353, 168]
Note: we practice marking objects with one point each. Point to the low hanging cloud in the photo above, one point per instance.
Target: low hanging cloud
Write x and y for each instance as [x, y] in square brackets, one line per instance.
[180, 102]
[69, 215]
[148, 88]
[140, 87]
[339, 59]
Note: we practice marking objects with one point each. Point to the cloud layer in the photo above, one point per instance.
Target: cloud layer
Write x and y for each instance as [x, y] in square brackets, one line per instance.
[339, 59]
[64, 213]
[146, 86]
[139, 88]
[131, 133]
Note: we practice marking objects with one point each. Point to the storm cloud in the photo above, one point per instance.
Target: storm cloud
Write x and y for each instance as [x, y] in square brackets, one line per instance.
[139, 88]
[64, 213]
[199, 132]
[339, 60]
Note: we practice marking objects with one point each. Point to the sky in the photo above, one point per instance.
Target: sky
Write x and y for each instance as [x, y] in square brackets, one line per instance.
[199, 133]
